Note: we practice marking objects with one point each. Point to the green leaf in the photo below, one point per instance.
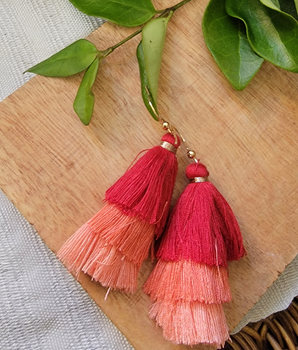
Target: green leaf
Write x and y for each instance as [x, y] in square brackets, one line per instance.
[149, 55]
[272, 34]
[144, 82]
[71, 60]
[84, 101]
[226, 39]
[127, 13]
[288, 6]
[277, 3]
[271, 4]
[296, 5]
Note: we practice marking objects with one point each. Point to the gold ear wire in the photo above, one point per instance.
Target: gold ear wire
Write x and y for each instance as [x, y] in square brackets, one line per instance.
[171, 129]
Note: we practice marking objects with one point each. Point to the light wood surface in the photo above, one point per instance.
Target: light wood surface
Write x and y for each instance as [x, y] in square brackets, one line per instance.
[55, 170]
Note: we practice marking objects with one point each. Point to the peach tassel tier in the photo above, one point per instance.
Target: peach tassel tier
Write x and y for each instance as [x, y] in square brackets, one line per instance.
[112, 245]
[189, 284]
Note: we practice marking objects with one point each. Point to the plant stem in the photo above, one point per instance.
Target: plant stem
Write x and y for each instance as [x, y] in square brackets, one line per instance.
[162, 13]
[177, 6]
[112, 48]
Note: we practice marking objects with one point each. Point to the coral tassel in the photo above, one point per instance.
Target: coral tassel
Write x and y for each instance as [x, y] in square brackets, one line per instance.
[191, 322]
[190, 281]
[112, 245]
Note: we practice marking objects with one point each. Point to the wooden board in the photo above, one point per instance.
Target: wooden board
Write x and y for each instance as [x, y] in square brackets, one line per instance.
[56, 171]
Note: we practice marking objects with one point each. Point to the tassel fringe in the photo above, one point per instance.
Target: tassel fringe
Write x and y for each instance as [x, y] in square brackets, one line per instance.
[188, 280]
[113, 244]
[109, 267]
[189, 284]
[187, 298]
[110, 248]
[202, 228]
[145, 190]
[191, 322]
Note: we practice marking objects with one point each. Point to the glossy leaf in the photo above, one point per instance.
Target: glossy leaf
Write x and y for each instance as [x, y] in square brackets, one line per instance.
[296, 5]
[272, 34]
[277, 3]
[144, 82]
[84, 101]
[271, 4]
[226, 39]
[288, 6]
[71, 60]
[127, 13]
[150, 55]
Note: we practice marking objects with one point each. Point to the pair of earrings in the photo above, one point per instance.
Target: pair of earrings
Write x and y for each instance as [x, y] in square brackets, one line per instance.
[190, 280]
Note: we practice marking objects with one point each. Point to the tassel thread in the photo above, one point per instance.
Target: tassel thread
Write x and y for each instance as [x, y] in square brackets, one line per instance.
[112, 245]
[189, 284]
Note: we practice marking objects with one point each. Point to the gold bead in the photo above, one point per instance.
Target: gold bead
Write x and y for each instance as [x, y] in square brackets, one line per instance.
[191, 154]
[165, 125]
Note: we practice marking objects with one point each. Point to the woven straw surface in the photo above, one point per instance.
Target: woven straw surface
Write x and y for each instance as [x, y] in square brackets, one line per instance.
[278, 331]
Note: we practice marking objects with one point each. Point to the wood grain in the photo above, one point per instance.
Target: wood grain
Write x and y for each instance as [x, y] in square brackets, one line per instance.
[56, 171]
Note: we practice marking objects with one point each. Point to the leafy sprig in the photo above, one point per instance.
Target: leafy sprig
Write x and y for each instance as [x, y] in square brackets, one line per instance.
[240, 35]
[127, 13]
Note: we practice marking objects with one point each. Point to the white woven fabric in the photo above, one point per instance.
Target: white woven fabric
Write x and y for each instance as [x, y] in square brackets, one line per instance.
[33, 30]
[42, 305]
[278, 297]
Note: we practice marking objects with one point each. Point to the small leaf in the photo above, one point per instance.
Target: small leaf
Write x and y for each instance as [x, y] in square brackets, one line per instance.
[127, 13]
[144, 82]
[272, 34]
[150, 55]
[226, 39]
[71, 60]
[84, 101]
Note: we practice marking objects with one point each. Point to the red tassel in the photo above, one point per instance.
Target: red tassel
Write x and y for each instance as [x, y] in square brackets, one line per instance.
[201, 221]
[146, 189]
[190, 281]
[112, 245]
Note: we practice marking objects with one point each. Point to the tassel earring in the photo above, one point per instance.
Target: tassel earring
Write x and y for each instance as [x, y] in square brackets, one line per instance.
[190, 281]
[112, 245]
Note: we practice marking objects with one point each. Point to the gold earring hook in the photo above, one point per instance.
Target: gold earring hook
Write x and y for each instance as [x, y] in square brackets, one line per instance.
[165, 125]
[171, 128]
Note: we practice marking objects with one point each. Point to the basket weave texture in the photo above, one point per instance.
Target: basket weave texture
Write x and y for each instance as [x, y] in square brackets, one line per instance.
[278, 332]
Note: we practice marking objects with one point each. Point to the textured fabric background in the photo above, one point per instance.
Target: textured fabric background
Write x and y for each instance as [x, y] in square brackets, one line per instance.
[32, 281]
[42, 305]
[33, 30]
[278, 297]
